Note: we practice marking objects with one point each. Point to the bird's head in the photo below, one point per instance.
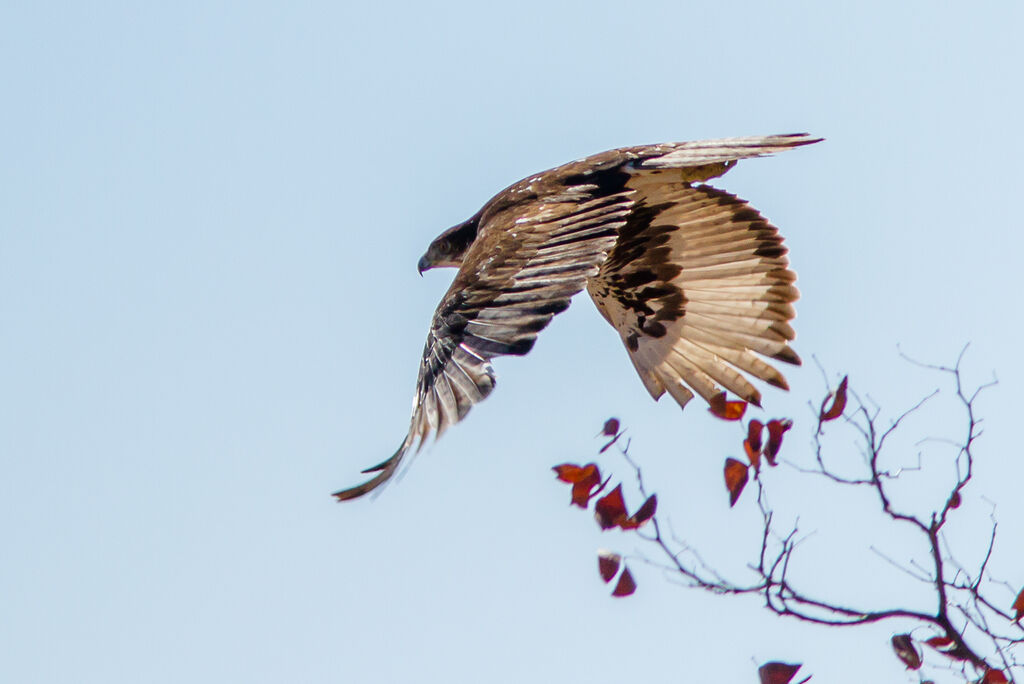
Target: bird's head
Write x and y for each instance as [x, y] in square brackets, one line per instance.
[449, 247]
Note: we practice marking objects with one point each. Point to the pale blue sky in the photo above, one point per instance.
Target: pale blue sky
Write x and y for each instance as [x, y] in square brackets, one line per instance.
[210, 319]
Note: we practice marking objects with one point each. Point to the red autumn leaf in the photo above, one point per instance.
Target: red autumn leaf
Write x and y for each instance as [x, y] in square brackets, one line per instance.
[939, 643]
[572, 473]
[838, 403]
[754, 430]
[646, 511]
[727, 410]
[610, 509]
[641, 516]
[583, 480]
[776, 429]
[777, 673]
[626, 584]
[753, 455]
[735, 478]
[1018, 606]
[752, 444]
[608, 564]
[903, 644]
[994, 677]
[954, 501]
[611, 427]
[948, 647]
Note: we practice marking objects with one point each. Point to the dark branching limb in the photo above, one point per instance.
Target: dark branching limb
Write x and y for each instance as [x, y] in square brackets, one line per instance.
[969, 629]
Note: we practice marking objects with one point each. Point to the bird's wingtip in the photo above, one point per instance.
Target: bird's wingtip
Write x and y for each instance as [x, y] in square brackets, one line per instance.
[384, 469]
[364, 488]
[802, 138]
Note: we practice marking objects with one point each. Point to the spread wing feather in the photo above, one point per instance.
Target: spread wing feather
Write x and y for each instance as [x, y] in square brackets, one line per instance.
[694, 279]
[697, 286]
[522, 270]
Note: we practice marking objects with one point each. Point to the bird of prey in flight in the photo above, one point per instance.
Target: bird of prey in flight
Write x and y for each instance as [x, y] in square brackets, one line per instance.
[693, 279]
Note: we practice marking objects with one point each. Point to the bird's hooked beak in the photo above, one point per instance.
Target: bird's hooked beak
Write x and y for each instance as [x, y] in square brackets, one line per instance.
[423, 264]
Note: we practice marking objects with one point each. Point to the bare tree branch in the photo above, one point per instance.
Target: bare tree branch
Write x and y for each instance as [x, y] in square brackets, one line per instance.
[969, 626]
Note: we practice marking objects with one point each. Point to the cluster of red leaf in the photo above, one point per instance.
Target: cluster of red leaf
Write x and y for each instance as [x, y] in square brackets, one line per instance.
[737, 472]
[610, 510]
[906, 651]
[608, 564]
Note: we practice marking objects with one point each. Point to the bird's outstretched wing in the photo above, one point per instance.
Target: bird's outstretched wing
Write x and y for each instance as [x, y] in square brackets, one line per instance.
[699, 288]
[538, 243]
[525, 265]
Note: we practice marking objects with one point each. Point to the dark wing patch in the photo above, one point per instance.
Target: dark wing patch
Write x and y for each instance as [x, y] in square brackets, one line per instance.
[640, 270]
